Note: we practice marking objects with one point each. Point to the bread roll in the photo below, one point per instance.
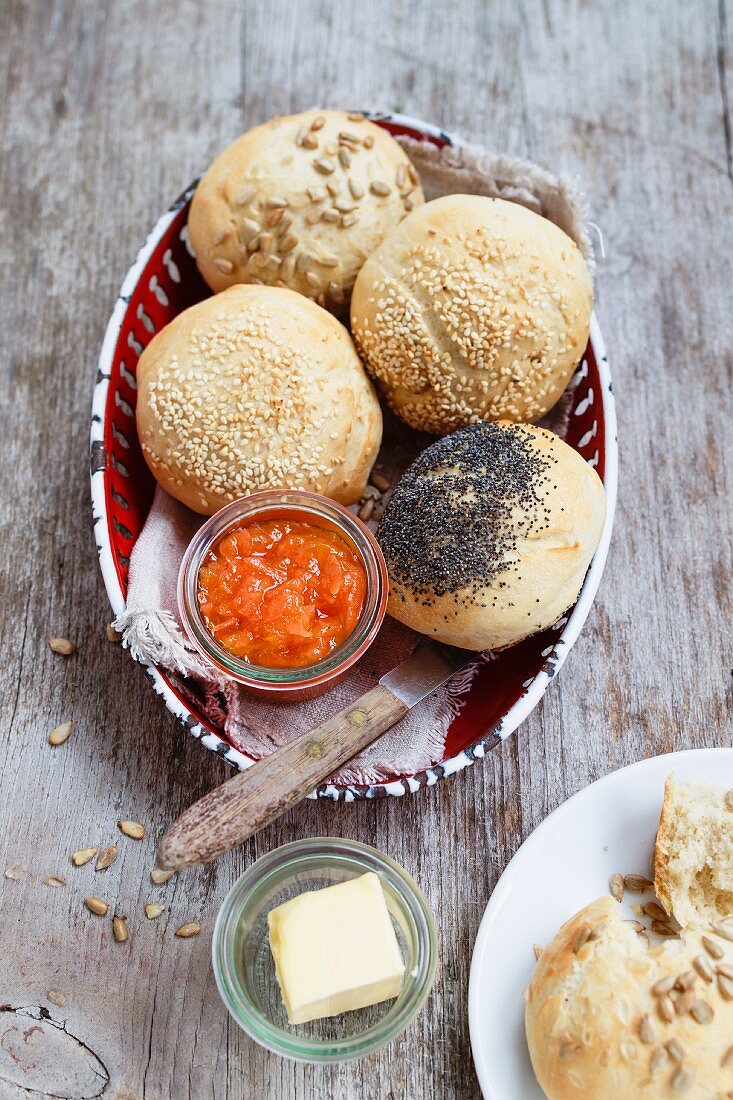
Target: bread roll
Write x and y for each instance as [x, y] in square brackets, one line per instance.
[472, 309]
[597, 1028]
[256, 388]
[489, 534]
[301, 202]
[693, 857]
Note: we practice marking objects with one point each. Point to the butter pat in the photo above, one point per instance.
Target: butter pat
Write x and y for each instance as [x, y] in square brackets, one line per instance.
[335, 950]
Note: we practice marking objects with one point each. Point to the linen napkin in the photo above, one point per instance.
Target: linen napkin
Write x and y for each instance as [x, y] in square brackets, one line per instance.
[150, 624]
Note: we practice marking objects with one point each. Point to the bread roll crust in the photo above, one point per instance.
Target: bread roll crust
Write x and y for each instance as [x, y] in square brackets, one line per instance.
[256, 388]
[594, 1027]
[489, 535]
[270, 188]
[472, 309]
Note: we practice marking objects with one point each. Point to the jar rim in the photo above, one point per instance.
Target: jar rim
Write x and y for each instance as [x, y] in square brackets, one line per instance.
[299, 856]
[304, 504]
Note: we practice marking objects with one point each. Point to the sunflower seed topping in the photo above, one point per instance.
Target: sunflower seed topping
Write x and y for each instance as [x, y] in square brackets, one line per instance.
[60, 734]
[344, 206]
[187, 930]
[616, 886]
[310, 141]
[663, 986]
[675, 1050]
[331, 215]
[637, 883]
[106, 858]
[412, 173]
[682, 1080]
[275, 216]
[96, 906]
[666, 1008]
[686, 980]
[348, 220]
[537, 948]
[636, 925]
[728, 800]
[246, 195]
[701, 1011]
[713, 949]
[369, 141]
[647, 1030]
[324, 165]
[344, 157]
[287, 267]
[658, 1058]
[119, 929]
[724, 929]
[725, 987]
[289, 242]
[356, 189]
[275, 202]
[83, 856]
[315, 194]
[224, 265]
[318, 122]
[329, 260]
[703, 967]
[582, 938]
[303, 130]
[379, 187]
[684, 1002]
[727, 1059]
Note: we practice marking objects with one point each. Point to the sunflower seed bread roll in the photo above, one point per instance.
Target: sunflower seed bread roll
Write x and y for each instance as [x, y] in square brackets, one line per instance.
[301, 201]
[607, 1018]
[472, 309]
[489, 534]
[256, 388]
[693, 856]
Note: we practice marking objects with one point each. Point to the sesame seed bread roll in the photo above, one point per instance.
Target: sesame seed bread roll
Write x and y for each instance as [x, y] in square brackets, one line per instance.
[693, 856]
[472, 309]
[256, 388]
[301, 202]
[607, 1018]
[489, 535]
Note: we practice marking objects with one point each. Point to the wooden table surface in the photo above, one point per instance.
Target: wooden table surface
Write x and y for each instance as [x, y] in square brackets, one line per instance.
[108, 108]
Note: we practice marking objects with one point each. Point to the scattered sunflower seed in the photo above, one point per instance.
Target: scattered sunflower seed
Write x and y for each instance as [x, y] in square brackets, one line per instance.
[331, 149]
[653, 909]
[62, 646]
[701, 1011]
[664, 985]
[83, 856]
[662, 928]
[54, 880]
[15, 872]
[289, 242]
[666, 1008]
[187, 930]
[276, 203]
[153, 909]
[616, 886]
[641, 936]
[637, 883]
[726, 969]
[56, 997]
[159, 877]
[300, 135]
[675, 1050]
[636, 925]
[119, 929]
[686, 980]
[647, 1030]
[275, 216]
[537, 948]
[311, 278]
[344, 157]
[379, 187]
[703, 967]
[97, 906]
[310, 141]
[318, 122]
[112, 634]
[324, 165]
[331, 215]
[287, 267]
[333, 187]
[684, 1003]
[356, 189]
[412, 173]
[106, 858]
[132, 828]
[60, 734]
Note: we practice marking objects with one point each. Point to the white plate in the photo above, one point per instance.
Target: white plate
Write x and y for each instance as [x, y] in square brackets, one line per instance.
[562, 866]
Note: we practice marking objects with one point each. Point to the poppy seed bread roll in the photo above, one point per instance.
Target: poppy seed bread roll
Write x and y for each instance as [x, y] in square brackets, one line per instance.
[607, 1018]
[472, 309]
[256, 388]
[301, 201]
[489, 534]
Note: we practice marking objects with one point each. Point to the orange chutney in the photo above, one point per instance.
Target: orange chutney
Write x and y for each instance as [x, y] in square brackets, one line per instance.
[281, 593]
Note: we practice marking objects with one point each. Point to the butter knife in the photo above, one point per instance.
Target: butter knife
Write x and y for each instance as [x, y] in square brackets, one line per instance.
[252, 799]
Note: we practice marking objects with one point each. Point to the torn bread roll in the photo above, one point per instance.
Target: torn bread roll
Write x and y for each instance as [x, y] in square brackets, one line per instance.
[256, 388]
[301, 201]
[608, 1019]
[693, 856]
[472, 309]
[489, 534]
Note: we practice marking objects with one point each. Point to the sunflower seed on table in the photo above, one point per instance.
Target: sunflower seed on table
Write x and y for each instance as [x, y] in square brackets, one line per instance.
[106, 858]
[60, 734]
[616, 886]
[56, 997]
[54, 880]
[653, 909]
[119, 929]
[97, 906]
[637, 883]
[112, 634]
[636, 925]
[83, 855]
[62, 645]
[132, 829]
[187, 930]
[153, 909]
[662, 928]
[15, 872]
[159, 877]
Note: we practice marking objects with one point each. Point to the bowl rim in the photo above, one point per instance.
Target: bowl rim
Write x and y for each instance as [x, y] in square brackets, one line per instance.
[418, 980]
[427, 777]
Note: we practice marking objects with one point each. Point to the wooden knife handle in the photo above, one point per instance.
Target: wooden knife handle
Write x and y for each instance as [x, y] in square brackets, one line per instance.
[228, 815]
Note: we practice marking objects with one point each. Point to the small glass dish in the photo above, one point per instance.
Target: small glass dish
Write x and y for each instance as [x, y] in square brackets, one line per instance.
[293, 684]
[245, 970]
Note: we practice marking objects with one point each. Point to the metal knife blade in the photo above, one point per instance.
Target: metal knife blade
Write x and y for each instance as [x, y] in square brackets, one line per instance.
[423, 671]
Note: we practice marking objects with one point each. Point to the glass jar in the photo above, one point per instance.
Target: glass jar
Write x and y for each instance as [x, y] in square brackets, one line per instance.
[295, 504]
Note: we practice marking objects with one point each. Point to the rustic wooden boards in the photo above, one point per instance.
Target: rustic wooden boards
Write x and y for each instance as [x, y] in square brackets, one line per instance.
[108, 110]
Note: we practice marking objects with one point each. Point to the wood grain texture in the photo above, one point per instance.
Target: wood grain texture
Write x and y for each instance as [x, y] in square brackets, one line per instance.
[248, 802]
[107, 110]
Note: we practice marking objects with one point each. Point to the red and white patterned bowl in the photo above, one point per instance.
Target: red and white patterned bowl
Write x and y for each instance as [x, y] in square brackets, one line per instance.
[162, 282]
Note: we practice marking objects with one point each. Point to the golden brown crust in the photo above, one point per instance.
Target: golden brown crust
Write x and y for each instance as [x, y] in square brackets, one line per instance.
[489, 535]
[301, 201]
[472, 309]
[595, 1029]
[256, 388]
